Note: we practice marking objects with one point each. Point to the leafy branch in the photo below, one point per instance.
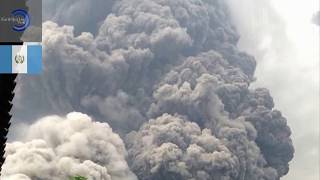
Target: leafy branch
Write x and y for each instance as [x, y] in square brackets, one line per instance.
[78, 178]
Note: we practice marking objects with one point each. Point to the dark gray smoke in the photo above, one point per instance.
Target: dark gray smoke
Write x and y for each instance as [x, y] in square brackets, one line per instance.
[175, 62]
[172, 148]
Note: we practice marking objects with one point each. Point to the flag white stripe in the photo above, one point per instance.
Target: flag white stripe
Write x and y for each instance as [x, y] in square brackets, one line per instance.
[19, 59]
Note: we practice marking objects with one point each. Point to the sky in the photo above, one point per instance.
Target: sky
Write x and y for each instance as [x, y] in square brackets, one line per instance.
[285, 42]
[305, 37]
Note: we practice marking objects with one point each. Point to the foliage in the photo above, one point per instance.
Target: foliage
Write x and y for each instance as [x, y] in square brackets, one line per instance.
[78, 178]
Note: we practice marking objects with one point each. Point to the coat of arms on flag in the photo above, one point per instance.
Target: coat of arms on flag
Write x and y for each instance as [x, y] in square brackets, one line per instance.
[19, 59]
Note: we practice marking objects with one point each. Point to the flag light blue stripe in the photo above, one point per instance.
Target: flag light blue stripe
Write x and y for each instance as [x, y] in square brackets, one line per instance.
[5, 59]
[34, 59]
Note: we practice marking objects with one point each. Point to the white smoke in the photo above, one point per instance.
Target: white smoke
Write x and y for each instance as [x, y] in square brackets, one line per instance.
[57, 148]
[84, 15]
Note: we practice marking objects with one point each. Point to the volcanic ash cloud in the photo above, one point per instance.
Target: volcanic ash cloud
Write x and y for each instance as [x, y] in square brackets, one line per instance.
[60, 147]
[167, 75]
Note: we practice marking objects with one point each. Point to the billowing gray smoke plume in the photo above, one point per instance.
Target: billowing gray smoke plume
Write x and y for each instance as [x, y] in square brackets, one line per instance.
[173, 148]
[59, 148]
[168, 77]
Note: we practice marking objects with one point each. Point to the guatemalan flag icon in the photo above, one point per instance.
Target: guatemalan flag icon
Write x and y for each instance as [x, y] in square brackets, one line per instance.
[21, 59]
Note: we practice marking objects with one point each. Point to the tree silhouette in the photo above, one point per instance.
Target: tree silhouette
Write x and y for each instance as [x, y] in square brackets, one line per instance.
[78, 178]
[7, 85]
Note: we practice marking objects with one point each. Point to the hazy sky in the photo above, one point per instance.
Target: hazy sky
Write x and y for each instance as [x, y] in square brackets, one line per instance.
[305, 117]
[282, 37]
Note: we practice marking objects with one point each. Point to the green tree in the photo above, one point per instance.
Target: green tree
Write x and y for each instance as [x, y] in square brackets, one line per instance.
[78, 178]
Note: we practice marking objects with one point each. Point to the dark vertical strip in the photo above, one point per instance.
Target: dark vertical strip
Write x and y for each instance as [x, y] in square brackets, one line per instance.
[7, 85]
